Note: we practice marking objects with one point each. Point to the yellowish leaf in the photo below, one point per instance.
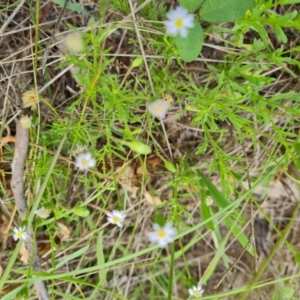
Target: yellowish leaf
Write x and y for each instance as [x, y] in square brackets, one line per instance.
[153, 200]
[64, 231]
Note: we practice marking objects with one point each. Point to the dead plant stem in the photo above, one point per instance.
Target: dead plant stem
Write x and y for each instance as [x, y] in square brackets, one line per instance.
[17, 186]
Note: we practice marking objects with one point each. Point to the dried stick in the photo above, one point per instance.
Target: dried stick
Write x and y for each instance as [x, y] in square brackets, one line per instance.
[17, 186]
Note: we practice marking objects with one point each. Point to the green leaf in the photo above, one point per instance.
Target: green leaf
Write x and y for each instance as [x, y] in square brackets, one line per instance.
[81, 211]
[280, 34]
[282, 2]
[214, 192]
[286, 292]
[137, 62]
[225, 10]
[138, 147]
[205, 210]
[170, 166]
[297, 258]
[191, 5]
[190, 47]
[72, 6]
[230, 221]
[159, 219]
[297, 148]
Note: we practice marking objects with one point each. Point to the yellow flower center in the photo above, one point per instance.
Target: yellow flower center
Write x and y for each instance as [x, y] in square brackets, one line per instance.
[159, 109]
[179, 23]
[20, 234]
[161, 234]
[197, 294]
[116, 219]
[84, 162]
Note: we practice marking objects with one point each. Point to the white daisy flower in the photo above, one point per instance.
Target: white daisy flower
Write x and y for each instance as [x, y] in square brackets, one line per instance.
[116, 217]
[42, 213]
[196, 291]
[159, 108]
[20, 233]
[162, 235]
[85, 161]
[179, 21]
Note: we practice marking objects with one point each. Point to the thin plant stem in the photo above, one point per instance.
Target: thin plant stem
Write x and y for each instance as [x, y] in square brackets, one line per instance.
[171, 272]
[165, 133]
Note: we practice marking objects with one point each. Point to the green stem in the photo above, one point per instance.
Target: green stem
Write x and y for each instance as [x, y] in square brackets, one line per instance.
[171, 272]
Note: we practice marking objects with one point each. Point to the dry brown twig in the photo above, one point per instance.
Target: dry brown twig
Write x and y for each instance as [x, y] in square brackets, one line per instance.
[17, 186]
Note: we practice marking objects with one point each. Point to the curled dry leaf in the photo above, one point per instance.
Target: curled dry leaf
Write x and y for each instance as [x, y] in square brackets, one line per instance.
[64, 231]
[153, 200]
[128, 180]
[24, 256]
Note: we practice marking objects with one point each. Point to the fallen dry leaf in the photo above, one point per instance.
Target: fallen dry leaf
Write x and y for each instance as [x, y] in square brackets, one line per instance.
[128, 180]
[64, 231]
[24, 257]
[153, 200]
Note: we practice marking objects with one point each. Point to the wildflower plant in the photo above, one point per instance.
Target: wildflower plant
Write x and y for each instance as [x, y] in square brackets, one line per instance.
[74, 42]
[162, 235]
[196, 291]
[109, 111]
[116, 217]
[30, 99]
[190, 39]
[20, 233]
[179, 21]
[158, 108]
[42, 212]
[84, 161]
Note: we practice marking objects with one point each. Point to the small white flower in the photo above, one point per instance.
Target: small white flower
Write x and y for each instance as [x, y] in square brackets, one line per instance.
[209, 201]
[196, 291]
[74, 42]
[20, 233]
[159, 108]
[85, 161]
[116, 217]
[179, 20]
[162, 235]
[42, 212]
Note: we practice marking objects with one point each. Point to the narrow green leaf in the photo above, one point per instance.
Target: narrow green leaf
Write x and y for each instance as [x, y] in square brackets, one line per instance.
[297, 258]
[225, 10]
[238, 233]
[230, 221]
[190, 47]
[191, 5]
[137, 62]
[280, 34]
[81, 211]
[214, 263]
[72, 6]
[283, 2]
[214, 192]
[205, 211]
[70, 257]
[101, 258]
[170, 166]
[14, 292]
[138, 147]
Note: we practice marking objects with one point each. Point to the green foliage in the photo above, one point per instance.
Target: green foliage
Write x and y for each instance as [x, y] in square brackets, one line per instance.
[189, 48]
[243, 110]
[225, 11]
[72, 6]
[191, 5]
